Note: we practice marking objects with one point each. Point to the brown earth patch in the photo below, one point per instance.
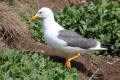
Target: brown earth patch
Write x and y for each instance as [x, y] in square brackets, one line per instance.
[32, 6]
[14, 32]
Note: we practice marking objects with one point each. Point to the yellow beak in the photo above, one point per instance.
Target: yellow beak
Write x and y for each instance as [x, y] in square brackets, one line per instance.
[33, 18]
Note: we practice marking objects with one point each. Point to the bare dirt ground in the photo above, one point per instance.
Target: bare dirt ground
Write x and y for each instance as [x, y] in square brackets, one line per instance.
[15, 34]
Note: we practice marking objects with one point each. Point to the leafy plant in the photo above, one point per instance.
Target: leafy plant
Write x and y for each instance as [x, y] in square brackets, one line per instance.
[36, 27]
[15, 65]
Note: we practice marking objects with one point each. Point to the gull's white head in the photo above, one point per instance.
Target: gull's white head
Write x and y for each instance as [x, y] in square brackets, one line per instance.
[43, 13]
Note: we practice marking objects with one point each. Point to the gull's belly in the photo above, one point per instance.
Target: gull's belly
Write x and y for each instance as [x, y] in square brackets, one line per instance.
[54, 42]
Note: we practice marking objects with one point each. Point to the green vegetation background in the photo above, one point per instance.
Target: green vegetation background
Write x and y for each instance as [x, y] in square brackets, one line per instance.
[25, 65]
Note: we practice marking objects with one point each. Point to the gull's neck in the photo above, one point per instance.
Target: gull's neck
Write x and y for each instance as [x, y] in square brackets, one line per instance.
[49, 23]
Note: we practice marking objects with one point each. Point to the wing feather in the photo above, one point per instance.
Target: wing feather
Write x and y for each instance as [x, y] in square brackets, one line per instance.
[75, 40]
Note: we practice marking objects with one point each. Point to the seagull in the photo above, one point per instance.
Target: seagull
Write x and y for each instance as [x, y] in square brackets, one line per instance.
[65, 40]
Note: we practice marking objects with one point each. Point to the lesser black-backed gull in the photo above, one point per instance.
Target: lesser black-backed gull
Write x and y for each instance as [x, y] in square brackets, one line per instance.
[67, 41]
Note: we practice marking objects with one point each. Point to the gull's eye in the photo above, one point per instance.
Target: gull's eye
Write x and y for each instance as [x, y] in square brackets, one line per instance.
[40, 12]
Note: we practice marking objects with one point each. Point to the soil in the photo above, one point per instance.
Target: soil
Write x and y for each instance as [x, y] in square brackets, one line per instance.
[15, 34]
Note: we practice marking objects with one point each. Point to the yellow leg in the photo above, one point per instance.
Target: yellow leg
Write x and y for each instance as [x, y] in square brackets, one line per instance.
[68, 60]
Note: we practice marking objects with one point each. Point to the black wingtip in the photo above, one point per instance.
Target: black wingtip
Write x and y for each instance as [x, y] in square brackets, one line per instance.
[106, 45]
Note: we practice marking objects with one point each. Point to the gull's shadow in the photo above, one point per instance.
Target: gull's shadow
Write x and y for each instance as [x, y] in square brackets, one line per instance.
[78, 65]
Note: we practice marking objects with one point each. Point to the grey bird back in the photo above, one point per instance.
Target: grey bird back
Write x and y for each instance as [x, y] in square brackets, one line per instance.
[75, 40]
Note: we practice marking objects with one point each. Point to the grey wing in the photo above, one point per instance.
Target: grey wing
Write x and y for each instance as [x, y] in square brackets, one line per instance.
[75, 40]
